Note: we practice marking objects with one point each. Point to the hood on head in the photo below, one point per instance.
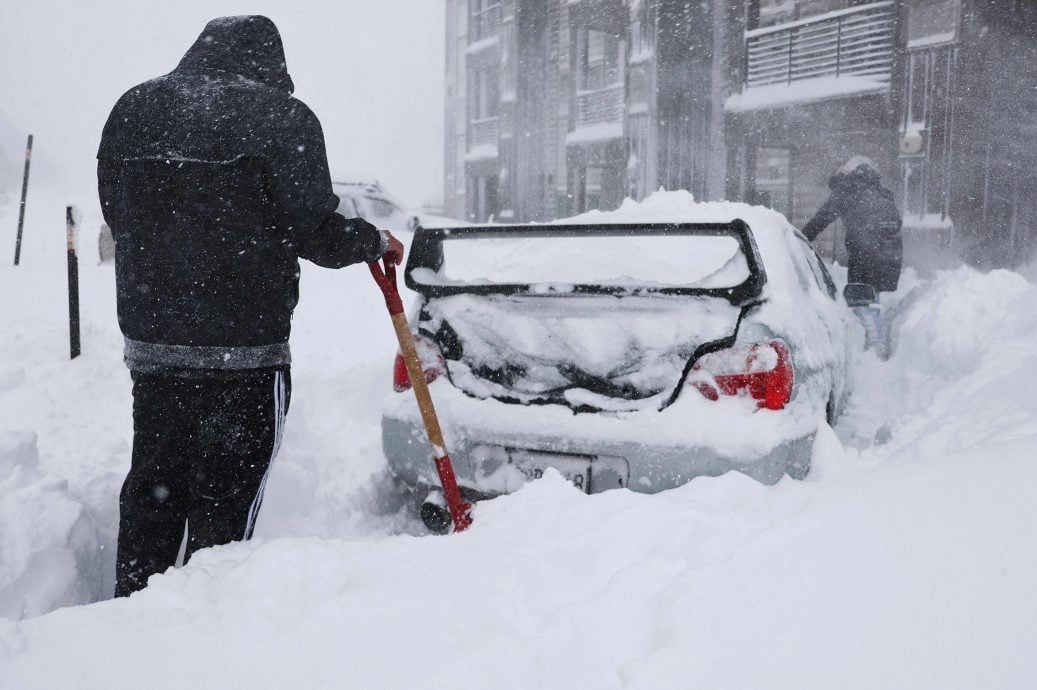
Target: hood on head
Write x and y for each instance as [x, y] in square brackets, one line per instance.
[858, 171]
[248, 46]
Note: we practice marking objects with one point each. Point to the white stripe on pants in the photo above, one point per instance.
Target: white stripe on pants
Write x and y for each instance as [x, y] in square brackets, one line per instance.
[279, 416]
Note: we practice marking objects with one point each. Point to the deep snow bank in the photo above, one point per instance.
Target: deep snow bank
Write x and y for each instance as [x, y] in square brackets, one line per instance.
[963, 370]
[913, 577]
[48, 542]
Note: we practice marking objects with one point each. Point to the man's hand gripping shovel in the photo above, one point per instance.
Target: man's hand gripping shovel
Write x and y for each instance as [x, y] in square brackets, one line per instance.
[460, 510]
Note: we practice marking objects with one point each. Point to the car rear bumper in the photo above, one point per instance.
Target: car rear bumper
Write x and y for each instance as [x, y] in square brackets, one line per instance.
[489, 464]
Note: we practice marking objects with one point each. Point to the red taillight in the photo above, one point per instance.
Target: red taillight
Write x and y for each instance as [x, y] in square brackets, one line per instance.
[762, 370]
[432, 363]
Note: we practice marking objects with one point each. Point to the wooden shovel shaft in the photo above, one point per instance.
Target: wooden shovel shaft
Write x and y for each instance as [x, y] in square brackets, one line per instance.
[459, 509]
[417, 380]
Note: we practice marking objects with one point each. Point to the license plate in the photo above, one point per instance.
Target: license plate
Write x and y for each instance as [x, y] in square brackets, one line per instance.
[588, 473]
[532, 464]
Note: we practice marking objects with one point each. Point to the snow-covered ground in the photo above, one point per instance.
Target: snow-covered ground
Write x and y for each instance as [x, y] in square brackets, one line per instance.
[907, 559]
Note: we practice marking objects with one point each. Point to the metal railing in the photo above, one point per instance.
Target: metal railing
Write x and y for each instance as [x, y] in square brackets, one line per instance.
[600, 105]
[484, 23]
[858, 41]
[482, 132]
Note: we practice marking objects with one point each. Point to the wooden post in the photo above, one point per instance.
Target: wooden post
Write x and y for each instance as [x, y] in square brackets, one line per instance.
[21, 210]
[73, 282]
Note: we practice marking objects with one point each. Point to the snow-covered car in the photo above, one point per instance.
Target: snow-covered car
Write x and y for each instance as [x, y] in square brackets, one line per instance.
[369, 200]
[623, 355]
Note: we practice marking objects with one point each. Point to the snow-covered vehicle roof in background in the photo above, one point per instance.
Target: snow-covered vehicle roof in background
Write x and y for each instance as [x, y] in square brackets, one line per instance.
[371, 185]
[374, 203]
[681, 207]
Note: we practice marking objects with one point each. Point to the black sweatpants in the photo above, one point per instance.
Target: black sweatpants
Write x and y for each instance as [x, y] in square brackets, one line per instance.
[202, 449]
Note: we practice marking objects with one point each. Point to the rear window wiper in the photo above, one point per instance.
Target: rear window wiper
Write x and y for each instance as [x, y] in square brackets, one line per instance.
[601, 385]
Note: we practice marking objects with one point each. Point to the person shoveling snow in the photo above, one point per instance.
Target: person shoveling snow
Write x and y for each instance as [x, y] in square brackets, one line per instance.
[873, 240]
[215, 182]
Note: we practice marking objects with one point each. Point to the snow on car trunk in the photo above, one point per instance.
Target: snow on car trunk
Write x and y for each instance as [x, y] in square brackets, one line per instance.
[592, 350]
[605, 317]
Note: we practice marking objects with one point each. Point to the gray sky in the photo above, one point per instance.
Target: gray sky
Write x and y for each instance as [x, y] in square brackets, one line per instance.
[372, 70]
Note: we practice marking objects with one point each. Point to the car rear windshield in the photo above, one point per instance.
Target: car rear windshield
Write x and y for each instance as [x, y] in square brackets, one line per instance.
[565, 258]
[665, 261]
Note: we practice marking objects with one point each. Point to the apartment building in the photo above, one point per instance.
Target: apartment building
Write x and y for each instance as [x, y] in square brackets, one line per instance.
[535, 108]
[559, 106]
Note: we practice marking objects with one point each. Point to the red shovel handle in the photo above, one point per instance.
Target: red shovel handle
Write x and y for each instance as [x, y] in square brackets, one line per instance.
[459, 509]
[386, 280]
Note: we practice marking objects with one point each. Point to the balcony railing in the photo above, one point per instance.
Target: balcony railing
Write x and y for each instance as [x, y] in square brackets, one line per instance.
[481, 132]
[600, 105]
[858, 41]
[484, 23]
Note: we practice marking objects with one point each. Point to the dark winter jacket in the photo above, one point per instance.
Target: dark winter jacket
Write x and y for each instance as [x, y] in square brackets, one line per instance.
[215, 182]
[872, 222]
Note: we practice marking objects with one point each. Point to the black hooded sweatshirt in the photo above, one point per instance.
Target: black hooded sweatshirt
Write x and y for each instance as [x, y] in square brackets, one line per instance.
[215, 182]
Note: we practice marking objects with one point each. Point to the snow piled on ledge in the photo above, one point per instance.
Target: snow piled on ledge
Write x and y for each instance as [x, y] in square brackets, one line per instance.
[602, 131]
[804, 91]
[482, 152]
[680, 206]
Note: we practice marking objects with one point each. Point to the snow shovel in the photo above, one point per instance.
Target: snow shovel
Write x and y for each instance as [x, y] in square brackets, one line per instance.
[460, 510]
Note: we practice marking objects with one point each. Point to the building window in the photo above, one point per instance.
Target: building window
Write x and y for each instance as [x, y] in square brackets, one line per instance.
[599, 60]
[477, 7]
[931, 22]
[773, 179]
[640, 88]
[483, 202]
[918, 88]
[485, 94]
[775, 11]
[484, 19]
[592, 179]
[642, 31]
[638, 184]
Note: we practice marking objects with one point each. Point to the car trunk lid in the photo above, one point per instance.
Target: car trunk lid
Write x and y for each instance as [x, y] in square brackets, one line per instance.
[585, 351]
[593, 317]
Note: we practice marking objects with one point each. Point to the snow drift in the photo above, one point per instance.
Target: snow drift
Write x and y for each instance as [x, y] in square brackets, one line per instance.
[48, 542]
